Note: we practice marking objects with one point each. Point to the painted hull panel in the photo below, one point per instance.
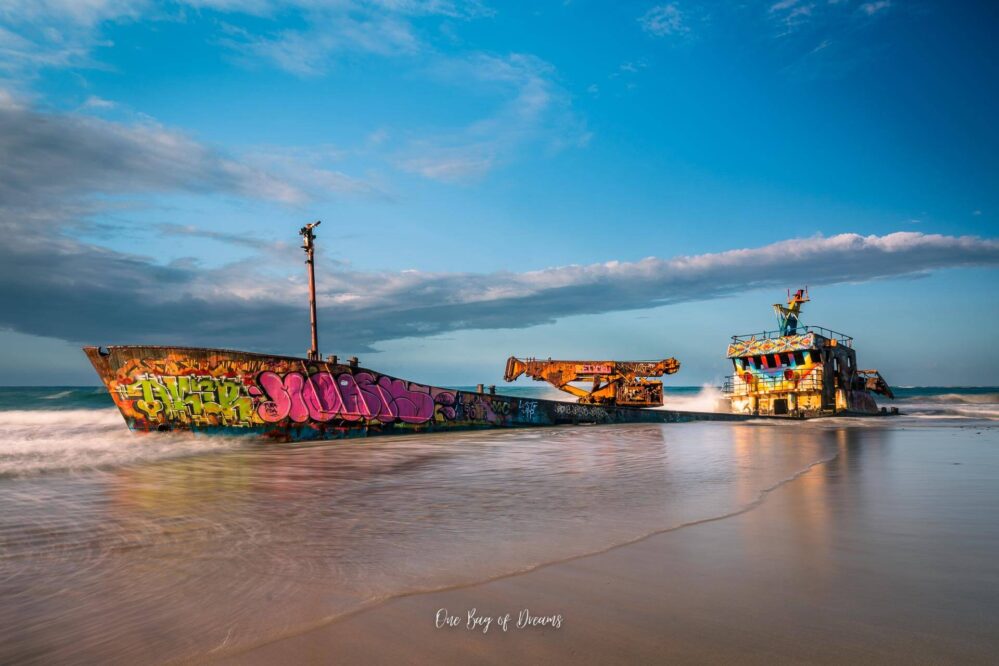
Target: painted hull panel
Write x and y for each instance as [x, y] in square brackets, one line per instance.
[217, 391]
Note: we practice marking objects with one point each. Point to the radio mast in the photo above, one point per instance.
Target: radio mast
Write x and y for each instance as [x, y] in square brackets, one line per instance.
[310, 253]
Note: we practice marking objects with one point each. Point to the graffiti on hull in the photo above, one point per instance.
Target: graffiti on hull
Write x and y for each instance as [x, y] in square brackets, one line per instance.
[177, 390]
[188, 397]
[352, 397]
[187, 391]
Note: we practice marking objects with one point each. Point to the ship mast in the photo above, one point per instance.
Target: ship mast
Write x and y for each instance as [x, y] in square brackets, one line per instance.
[310, 253]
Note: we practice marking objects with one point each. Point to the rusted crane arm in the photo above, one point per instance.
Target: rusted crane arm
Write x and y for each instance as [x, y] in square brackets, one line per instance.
[612, 382]
[875, 383]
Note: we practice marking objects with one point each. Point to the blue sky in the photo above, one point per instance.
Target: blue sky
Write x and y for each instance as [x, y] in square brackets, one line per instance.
[494, 179]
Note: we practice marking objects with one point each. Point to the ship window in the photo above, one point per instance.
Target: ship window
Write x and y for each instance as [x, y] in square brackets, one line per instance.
[773, 361]
[757, 363]
[814, 354]
[787, 359]
[799, 357]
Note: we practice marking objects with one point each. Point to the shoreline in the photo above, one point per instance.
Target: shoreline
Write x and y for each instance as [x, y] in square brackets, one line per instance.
[697, 592]
[375, 605]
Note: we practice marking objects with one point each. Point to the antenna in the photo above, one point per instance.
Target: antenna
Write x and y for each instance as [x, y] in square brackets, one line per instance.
[309, 246]
[787, 315]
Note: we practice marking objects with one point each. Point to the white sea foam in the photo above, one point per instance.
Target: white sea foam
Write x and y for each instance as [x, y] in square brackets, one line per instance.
[57, 396]
[34, 441]
[988, 411]
[708, 399]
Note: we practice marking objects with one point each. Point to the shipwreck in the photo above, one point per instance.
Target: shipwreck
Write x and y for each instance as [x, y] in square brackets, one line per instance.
[801, 371]
[221, 391]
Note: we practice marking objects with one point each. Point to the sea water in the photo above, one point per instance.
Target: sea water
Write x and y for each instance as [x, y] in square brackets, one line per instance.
[122, 547]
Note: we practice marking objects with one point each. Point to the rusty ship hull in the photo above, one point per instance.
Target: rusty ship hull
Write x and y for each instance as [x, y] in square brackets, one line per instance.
[217, 391]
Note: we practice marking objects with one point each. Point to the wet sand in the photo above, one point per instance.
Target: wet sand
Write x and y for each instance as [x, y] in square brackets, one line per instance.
[887, 553]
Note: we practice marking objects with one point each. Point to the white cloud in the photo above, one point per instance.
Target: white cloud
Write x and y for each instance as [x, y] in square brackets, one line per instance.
[532, 108]
[664, 20]
[55, 33]
[450, 165]
[55, 158]
[378, 137]
[58, 33]
[830, 17]
[792, 13]
[310, 52]
[244, 304]
[94, 102]
[448, 8]
[536, 110]
[783, 5]
[872, 8]
[334, 28]
[58, 286]
[77, 12]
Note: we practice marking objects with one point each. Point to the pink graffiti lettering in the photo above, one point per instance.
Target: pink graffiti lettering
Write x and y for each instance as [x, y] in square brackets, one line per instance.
[285, 397]
[405, 404]
[321, 397]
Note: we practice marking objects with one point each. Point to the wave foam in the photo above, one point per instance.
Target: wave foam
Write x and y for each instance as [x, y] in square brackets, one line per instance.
[708, 399]
[35, 441]
[956, 398]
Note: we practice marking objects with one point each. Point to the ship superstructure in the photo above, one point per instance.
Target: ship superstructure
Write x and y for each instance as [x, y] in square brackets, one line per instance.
[799, 370]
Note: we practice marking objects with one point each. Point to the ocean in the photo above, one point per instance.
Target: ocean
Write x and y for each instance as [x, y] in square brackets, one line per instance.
[124, 548]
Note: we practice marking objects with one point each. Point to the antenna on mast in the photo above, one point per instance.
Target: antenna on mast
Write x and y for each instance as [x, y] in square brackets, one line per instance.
[309, 246]
[787, 316]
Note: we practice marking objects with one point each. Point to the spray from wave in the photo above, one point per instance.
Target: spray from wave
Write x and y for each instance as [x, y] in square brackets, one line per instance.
[36, 441]
[972, 403]
[707, 399]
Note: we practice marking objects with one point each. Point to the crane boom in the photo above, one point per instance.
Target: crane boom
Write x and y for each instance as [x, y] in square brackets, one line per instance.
[611, 382]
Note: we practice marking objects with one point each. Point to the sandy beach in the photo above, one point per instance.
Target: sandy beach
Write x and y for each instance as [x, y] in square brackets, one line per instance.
[883, 554]
[831, 541]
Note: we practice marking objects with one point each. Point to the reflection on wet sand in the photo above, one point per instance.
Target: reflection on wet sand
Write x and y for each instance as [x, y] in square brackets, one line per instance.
[813, 502]
[203, 554]
[884, 554]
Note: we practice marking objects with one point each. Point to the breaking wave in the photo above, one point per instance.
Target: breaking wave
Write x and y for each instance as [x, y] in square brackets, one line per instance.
[980, 403]
[45, 429]
[957, 398]
[37, 441]
[47, 398]
[707, 399]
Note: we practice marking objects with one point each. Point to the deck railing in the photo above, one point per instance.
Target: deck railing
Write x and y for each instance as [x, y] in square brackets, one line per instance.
[840, 338]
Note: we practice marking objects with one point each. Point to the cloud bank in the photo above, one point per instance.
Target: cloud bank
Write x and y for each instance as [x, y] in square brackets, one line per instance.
[83, 293]
[60, 169]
